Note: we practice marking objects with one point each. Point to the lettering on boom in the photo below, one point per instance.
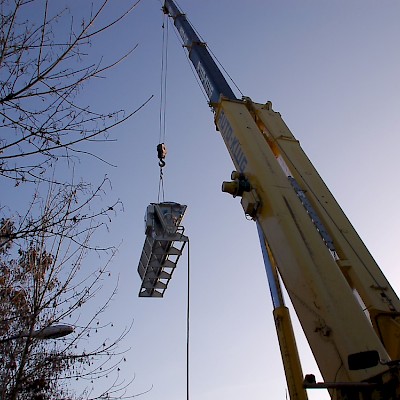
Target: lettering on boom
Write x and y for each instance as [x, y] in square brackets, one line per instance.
[183, 36]
[232, 142]
[208, 87]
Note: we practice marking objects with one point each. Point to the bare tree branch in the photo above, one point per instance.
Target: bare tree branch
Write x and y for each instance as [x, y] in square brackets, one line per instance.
[51, 265]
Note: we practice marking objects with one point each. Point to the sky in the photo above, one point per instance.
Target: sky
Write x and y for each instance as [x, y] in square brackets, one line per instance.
[331, 70]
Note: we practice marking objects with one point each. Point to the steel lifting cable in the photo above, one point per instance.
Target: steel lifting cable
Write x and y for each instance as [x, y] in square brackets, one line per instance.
[162, 151]
[163, 79]
[161, 148]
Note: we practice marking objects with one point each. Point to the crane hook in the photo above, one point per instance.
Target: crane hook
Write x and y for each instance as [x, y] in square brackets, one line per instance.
[161, 153]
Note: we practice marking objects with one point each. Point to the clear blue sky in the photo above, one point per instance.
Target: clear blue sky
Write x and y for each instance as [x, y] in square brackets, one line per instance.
[332, 70]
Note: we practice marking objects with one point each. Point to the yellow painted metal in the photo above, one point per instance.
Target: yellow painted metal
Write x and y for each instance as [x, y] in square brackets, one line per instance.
[291, 362]
[285, 333]
[387, 326]
[357, 265]
[332, 319]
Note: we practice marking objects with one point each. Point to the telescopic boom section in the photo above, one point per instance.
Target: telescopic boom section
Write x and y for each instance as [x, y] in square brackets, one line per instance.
[214, 83]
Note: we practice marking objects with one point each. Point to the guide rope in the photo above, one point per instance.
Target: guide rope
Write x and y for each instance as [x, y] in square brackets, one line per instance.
[188, 324]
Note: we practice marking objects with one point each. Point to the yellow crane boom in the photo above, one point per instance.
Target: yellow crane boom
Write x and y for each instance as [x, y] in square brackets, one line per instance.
[346, 306]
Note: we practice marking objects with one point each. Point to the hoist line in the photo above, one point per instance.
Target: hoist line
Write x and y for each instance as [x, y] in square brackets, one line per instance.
[212, 53]
[191, 66]
[161, 187]
[163, 103]
[161, 194]
[188, 325]
[163, 79]
[226, 72]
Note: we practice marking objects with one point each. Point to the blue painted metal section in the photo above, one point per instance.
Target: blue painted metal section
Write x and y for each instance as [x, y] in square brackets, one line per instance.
[274, 287]
[209, 74]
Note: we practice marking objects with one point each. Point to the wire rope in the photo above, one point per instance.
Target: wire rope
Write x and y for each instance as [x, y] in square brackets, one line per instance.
[192, 67]
[188, 327]
[163, 106]
[212, 53]
[162, 137]
[226, 72]
[163, 79]
[161, 192]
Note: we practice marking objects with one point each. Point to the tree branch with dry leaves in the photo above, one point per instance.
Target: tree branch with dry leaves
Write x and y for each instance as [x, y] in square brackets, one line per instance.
[51, 266]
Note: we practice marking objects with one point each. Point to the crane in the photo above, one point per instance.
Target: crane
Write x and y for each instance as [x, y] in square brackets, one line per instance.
[348, 310]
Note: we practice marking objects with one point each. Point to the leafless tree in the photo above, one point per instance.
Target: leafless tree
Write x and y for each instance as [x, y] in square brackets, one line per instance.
[44, 246]
[42, 284]
[42, 70]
